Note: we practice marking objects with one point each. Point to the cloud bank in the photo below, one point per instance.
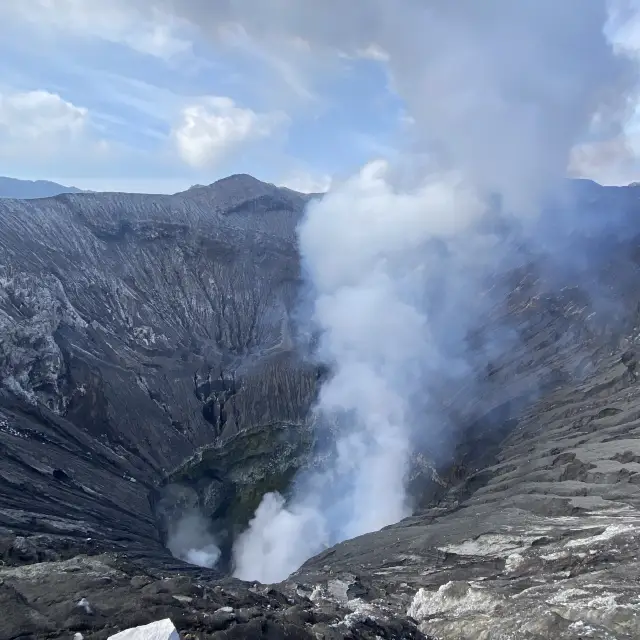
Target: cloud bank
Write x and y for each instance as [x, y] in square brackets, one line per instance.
[38, 115]
[144, 28]
[41, 126]
[343, 73]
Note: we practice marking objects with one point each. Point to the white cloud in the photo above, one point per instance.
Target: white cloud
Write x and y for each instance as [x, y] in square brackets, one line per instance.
[150, 31]
[373, 52]
[40, 130]
[610, 162]
[157, 40]
[623, 27]
[305, 182]
[214, 128]
[39, 115]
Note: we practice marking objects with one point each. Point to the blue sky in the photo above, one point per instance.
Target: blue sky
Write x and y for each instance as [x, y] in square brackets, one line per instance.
[133, 101]
[128, 95]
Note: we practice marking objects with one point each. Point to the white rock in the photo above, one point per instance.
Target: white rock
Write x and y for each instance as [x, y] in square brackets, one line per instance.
[455, 599]
[84, 604]
[161, 630]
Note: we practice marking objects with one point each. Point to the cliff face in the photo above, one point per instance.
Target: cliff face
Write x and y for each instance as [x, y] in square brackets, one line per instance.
[147, 367]
[133, 331]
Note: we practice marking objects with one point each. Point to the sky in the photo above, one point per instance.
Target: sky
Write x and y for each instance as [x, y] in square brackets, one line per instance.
[158, 95]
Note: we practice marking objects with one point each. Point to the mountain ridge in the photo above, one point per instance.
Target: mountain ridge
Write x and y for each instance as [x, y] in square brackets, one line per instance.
[32, 189]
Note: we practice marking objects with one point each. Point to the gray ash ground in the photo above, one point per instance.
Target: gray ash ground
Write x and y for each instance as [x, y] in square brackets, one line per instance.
[147, 366]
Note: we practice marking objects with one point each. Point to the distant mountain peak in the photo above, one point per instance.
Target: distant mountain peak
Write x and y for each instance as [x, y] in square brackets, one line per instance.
[234, 182]
[31, 189]
[235, 188]
[239, 177]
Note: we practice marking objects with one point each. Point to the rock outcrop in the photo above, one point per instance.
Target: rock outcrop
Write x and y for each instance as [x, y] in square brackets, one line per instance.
[160, 630]
[148, 368]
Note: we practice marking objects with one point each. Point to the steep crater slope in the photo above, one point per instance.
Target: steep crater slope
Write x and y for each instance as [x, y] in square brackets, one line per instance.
[148, 368]
[134, 330]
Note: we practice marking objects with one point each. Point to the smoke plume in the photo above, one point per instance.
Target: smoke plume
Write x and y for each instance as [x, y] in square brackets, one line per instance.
[500, 93]
[191, 540]
[399, 256]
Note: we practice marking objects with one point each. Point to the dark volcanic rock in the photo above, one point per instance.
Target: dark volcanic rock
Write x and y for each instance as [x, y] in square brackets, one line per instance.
[135, 330]
[147, 370]
[537, 550]
[104, 594]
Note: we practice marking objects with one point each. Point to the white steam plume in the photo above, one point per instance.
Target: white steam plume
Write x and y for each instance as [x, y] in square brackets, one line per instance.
[500, 91]
[191, 540]
[368, 252]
